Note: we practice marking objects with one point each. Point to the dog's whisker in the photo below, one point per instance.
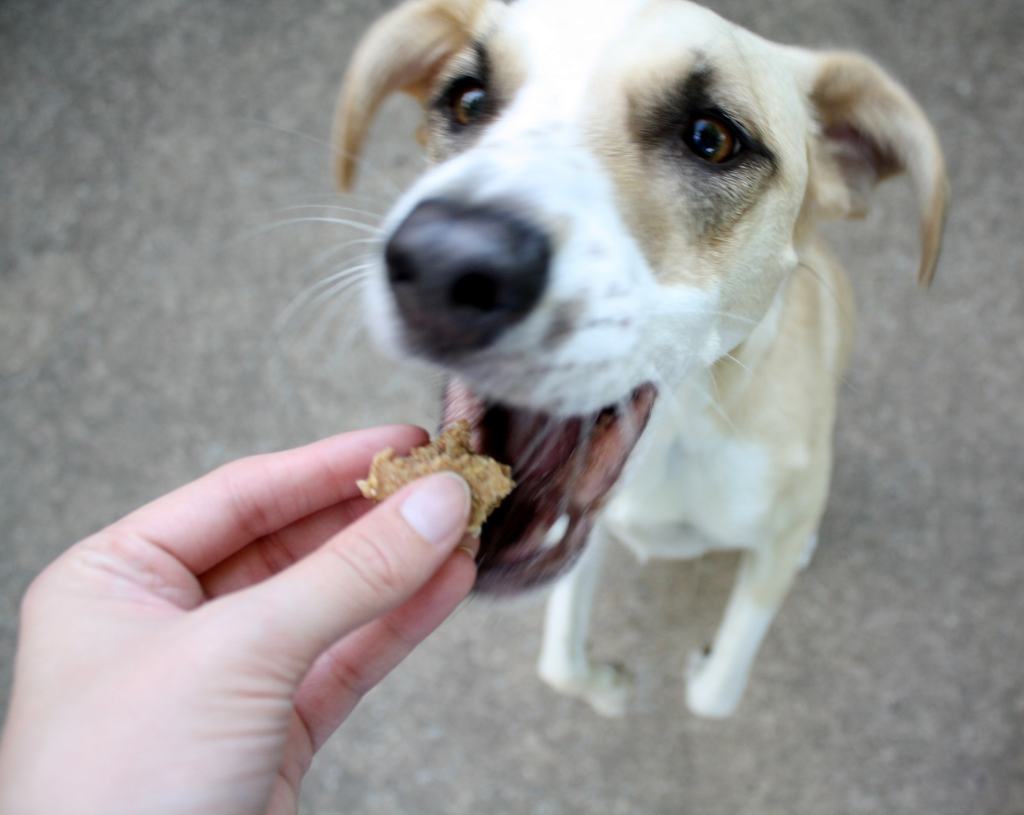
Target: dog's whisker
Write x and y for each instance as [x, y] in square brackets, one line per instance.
[363, 265]
[331, 282]
[328, 307]
[843, 306]
[376, 216]
[341, 286]
[345, 198]
[332, 251]
[312, 295]
[272, 227]
[666, 393]
[328, 255]
[665, 389]
[713, 401]
[741, 364]
[716, 398]
[802, 265]
[312, 219]
[354, 327]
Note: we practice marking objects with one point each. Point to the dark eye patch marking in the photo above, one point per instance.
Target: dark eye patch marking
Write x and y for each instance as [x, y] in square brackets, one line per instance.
[669, 111]
[450, 132]
[715, 196]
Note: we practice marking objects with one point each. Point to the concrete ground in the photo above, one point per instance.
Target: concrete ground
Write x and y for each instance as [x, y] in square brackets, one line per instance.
[145, 146]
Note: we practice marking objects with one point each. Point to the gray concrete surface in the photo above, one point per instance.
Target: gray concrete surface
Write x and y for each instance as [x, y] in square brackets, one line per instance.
[144, 143]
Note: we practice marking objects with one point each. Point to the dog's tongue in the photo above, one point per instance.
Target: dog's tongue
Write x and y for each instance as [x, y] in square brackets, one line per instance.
[562, 467]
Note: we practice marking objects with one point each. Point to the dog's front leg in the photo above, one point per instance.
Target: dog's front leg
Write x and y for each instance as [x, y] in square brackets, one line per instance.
[716, 679]
[564, 662]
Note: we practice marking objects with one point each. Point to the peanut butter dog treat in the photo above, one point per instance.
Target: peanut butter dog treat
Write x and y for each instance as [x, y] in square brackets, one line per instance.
[489, 481]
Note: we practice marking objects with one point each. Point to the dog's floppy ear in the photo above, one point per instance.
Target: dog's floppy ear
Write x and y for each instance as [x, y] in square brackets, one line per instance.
[871, 129]
[402, 52]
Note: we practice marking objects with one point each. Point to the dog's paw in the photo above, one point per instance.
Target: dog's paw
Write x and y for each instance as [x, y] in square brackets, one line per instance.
[605, 687]
[608, 689]
[708, 694]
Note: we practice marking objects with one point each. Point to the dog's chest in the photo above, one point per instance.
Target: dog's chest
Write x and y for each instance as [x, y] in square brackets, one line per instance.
[689, 487]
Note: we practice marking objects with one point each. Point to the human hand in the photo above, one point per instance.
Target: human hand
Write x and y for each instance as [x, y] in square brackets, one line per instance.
[193, 656]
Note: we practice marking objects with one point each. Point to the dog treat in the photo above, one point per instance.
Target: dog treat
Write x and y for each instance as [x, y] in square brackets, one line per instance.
[489, 481]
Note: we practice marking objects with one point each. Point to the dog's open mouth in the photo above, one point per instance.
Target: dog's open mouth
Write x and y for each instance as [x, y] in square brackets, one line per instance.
[564, 468]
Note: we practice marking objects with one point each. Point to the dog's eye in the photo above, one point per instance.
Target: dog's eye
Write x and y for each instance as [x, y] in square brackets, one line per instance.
[712, 139]
[468, 102]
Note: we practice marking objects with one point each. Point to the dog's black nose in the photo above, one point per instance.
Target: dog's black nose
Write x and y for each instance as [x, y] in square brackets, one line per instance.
[462, 274]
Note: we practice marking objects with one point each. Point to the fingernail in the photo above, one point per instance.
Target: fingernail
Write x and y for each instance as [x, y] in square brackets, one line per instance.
[438, 508]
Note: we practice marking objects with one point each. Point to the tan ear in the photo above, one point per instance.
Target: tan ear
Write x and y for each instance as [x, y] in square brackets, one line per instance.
[402, 52]
[872, 129]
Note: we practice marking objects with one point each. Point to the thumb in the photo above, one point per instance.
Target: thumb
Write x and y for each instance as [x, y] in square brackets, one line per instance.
[369, 568]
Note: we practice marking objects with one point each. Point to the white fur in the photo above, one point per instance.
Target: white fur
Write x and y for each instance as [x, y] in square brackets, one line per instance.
[698, 480]
[690, 487]
[598, 265]
[537, 153]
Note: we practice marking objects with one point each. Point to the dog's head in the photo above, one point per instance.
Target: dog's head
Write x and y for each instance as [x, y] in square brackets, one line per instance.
[621, 189]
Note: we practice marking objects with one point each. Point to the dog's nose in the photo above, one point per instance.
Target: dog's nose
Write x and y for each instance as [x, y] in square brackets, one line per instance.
[462, 274]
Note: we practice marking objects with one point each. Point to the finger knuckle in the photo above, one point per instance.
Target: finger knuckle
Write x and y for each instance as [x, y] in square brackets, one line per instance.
[397, 633]
[274, 553]
[375, 565]
[349, 677]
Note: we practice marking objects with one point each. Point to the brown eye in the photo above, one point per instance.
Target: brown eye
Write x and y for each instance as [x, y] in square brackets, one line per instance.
[468, 102]
[712, 139]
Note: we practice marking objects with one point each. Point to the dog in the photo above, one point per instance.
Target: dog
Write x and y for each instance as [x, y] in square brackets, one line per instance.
[615, 259]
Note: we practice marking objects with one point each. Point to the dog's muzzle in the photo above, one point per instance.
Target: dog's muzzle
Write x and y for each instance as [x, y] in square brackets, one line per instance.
[461, 274]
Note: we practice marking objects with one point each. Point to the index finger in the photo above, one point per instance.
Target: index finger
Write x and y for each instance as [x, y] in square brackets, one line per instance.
[209, 519]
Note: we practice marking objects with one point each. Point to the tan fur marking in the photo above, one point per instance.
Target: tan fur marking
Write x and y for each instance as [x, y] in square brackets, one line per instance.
[851, 92]
[401, 52]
